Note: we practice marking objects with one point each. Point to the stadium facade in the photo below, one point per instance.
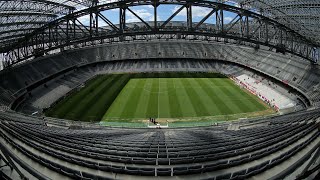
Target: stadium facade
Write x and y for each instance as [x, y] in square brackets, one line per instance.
[48, 51]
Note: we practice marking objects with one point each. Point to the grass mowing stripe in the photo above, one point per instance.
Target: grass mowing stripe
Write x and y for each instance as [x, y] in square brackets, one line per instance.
[64, 106]
[117, 105]
[183, 98]
[129, 108]
[79, 97]
[158, 94]
[233, 93]
[164, 98]
[251, 102]
[152, 109]
[196, 102]
[113, 94]
[218, 104]
[142, 103]
[174, 103]
[258, 104]
[182, 95]
[209, 106]
[97, 110]
[222, 97]
[90, 99]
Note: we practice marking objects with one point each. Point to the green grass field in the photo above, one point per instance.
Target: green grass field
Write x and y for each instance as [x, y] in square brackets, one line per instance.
[166, 96]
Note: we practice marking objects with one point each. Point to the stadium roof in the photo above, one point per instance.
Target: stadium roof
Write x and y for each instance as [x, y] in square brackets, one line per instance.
[300, 15]
[20, 17]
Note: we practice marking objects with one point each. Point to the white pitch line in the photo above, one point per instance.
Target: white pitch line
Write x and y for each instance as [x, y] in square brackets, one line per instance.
[159, 98]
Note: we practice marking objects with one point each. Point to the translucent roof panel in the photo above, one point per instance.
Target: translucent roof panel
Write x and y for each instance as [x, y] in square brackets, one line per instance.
[300, 15]
[20, 17]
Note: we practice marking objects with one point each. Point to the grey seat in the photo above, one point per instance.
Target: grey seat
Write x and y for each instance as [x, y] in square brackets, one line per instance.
[180, 171]
[163, 161]
[164, 172]
[147, 171]
[223, 176]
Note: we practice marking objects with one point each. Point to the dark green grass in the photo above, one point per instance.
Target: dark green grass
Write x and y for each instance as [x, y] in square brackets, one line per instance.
[134, 97]
[92, 101]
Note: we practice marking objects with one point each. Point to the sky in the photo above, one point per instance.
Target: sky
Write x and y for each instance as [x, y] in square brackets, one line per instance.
[164, 12]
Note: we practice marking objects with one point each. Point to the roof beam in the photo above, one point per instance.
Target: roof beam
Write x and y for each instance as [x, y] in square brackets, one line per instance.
[272, 33]
[288, 12]
[87, 3]
[17, 30]
[23, 13]
[22, 23]
[43, 2]
[12, 36]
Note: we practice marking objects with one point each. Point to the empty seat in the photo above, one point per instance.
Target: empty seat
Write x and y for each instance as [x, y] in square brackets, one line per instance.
[180, 171]
[147, 171]
[132, 171]
[223, 176]
[117, 169]
[195, 169]
[163, 161]
[164, 172]
[181, 160]
[239, 173]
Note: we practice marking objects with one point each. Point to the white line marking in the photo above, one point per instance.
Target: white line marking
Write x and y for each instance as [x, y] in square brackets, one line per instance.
[220, 116]
[159, 98]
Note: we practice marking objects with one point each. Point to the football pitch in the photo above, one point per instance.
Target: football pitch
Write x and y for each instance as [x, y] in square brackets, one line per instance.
[166, 96]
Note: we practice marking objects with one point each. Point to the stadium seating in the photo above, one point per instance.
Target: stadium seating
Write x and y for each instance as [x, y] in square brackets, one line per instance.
[206, 152]
[289, 69]
[43, 96]
[54, 149]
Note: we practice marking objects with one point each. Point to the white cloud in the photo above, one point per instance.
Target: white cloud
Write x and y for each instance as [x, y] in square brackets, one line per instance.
[200, 11]
[159, 18]
[227, 19]
[102, 23]
[142, 13]
[84, 19]
[196, 11]
[148, 6]
[115, 9]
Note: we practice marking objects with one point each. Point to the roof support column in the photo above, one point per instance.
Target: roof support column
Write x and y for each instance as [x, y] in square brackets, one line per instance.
[189, 17]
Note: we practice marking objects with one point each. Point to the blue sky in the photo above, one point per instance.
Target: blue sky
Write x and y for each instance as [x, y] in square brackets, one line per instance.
[164, 11]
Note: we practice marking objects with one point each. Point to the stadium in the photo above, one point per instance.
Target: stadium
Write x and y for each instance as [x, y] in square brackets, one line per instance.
[159, 89]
